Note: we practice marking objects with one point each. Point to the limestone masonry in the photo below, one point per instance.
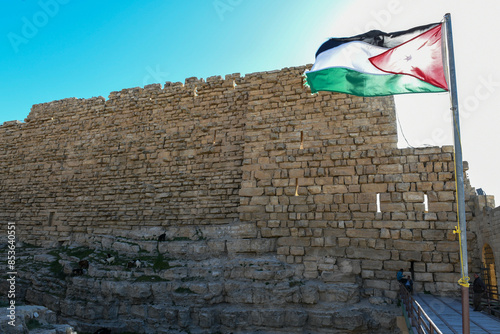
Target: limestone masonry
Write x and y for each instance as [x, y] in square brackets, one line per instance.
[241, 170]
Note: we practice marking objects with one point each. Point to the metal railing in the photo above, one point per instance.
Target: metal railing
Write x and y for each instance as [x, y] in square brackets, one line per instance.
[491, 301]
[417, 318]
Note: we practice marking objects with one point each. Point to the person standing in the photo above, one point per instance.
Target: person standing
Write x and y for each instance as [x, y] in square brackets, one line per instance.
[401, 277]
[409, 284]
[478, 287]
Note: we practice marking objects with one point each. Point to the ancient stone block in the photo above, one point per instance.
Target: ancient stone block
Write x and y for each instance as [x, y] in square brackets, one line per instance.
[370, 254]
[433, 234]
[320, 319]
[342, 171]
[423, 277]
[390, 169]
[309, 294]
[377, 284]
[293, 241]
[374, 188]
[249, 192]
[439, 267]
[392, 207]
[416, 225]
[440, 206]
[294, 250]
[387, 224]
[295, 318]
[323, 199]
[413, 245]
[385, 233]
[371, 264]
[410, 255]
[335, 189]
[363, 233]
[447, 246]
[346, 293]
[413, 197]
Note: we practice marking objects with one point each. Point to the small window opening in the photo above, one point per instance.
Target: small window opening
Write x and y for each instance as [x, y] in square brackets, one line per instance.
[195, 91]
[378, 202]
[51, 218]
[296, 187]
[301, 140]
[426, 203]
[234, 84]
[215, 137]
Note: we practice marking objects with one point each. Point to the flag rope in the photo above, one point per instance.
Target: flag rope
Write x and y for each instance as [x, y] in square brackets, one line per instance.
[464, 280]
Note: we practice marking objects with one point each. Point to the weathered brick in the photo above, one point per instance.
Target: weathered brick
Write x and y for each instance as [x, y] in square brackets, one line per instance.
[440, 206]
[433, 234]
[251, 192]
[374, 188]
[390, 169]
[370, 254]
[440, 267]
[362, 233]
[413, 197]
[335, 189]
[323, 199]
[367, 198]
[340, 171]
[413, 245]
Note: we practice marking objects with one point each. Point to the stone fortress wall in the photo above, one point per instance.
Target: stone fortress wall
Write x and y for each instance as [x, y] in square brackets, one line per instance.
[486, 226]
[241, 166]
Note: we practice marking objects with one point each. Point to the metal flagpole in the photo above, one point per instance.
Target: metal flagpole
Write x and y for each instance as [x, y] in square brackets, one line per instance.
[461, 229]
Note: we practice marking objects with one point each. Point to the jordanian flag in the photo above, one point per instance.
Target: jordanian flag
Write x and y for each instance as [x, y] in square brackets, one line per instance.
[378, 63]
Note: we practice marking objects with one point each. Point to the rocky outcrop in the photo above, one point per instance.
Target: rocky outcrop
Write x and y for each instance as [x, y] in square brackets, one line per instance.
[204, 295]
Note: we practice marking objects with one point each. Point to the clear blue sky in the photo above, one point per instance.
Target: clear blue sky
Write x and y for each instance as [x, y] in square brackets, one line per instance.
[55, 49]
[72, 48]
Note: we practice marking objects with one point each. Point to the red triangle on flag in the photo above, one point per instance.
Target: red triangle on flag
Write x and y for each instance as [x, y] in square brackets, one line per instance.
[420, 57]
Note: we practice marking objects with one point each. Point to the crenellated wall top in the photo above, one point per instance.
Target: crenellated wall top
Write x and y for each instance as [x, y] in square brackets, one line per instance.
[191, 88]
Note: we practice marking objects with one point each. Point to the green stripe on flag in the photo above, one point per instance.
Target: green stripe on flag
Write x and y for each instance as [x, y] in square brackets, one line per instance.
[343, 80]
